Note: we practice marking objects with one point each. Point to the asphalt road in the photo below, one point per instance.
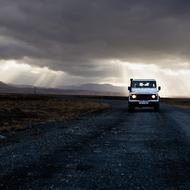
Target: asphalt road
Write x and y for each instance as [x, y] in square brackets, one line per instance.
[112, 149]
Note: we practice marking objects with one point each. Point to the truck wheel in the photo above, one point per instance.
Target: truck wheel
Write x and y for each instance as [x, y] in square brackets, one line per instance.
[157, 108]
[131, 108]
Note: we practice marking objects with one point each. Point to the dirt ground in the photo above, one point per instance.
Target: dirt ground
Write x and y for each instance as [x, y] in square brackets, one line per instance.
[179, 102]
[18, 112]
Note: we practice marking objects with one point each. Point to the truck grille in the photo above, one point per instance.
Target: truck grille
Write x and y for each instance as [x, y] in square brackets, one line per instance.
[144, 97]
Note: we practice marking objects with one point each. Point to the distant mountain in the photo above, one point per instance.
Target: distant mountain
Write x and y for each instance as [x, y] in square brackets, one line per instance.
[22, 85]
[97, 88]
[3, 85]
[85, 89]
[11, 88]
[6, 88]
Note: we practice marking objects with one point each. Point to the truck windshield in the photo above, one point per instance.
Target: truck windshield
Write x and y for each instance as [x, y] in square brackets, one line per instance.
[143, 84]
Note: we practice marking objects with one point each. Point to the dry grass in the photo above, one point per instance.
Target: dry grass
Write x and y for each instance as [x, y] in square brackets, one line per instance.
[179, 102]
[17, 114]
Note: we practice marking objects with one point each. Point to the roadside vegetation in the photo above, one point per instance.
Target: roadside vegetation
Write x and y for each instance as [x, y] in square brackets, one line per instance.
[17, 112]
[179, 102]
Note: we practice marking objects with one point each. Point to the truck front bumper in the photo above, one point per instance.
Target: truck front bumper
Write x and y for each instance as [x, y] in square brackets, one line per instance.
[144, 103]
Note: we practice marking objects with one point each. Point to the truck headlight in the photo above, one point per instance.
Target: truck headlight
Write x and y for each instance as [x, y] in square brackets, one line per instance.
[153, 96]
[134, 96]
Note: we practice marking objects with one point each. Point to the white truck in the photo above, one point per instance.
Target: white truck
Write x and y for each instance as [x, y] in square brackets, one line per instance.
[143, 93]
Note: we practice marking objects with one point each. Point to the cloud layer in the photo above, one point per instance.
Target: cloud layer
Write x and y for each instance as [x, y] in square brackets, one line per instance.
[81, 38]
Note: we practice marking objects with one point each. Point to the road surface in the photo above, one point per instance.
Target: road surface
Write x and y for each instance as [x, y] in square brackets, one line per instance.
[112, 149]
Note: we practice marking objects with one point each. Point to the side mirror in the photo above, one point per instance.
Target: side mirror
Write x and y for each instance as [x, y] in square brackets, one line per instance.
[159, 88]
[129, 88]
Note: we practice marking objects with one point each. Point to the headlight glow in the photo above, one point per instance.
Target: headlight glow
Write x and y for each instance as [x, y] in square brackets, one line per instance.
[134, 96]
[153, 96]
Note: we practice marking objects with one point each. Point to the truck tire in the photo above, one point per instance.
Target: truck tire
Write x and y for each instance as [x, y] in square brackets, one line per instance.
[130, 108]
[157, 107]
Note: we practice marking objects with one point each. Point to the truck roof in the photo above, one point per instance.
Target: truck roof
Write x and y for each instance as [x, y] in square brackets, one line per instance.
[144, 80]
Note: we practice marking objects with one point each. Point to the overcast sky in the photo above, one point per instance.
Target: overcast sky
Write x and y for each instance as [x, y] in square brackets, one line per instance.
[64, 42]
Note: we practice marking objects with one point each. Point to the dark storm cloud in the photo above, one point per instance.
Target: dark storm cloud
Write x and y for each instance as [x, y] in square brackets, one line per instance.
[73, 35]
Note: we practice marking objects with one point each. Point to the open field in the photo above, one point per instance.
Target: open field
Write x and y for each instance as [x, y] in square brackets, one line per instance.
[179, 102]
[17, 112]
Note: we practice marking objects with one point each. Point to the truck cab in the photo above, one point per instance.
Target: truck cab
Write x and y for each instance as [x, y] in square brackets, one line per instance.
[143, 93]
